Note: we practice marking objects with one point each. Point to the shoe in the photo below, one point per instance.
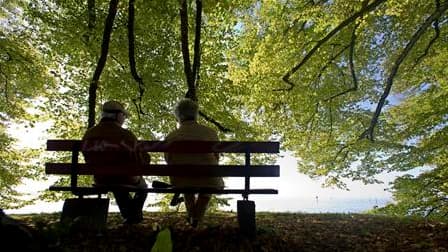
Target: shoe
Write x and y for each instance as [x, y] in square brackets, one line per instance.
[160, 184]
[176, 200]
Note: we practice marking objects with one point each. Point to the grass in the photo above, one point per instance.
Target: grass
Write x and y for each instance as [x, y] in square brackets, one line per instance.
[275, 232]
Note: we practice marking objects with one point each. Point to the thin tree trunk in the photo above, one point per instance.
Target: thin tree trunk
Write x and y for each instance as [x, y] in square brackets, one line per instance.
[192, 72]
[102, 61]
[191, 93]
[132, 64]
[91, 17]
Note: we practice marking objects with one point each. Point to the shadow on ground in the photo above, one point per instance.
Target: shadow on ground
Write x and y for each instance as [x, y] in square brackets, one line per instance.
[220, 232]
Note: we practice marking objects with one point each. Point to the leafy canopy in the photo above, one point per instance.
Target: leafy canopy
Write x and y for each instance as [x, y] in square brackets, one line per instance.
[352, 88]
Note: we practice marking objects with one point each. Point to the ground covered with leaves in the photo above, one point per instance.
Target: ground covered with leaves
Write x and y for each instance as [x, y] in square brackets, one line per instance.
[275, 232]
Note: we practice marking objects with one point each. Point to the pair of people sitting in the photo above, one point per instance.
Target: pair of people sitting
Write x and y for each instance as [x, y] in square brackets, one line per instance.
[110, 128]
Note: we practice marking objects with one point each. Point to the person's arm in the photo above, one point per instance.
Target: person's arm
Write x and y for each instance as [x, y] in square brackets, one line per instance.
[145, 157]
[166, 155]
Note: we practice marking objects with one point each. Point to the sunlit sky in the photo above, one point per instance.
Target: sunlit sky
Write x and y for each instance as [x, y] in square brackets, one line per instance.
[297, 192]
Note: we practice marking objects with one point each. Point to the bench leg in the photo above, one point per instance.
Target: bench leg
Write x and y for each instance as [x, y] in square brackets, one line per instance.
[86, 213]
[246, 217]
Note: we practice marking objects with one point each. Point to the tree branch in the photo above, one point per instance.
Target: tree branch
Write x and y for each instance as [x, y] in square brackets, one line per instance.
[331, 123]
[351, 67]
[310, 124]
[192, 73]
[365, 9]
[191, 93]
[334, 57]
[102, 60]
[197, 43]
[434, 38]
[432, 209]
[6, 85]
[132, 65]
[217, 124]
[91, 15]
[295, 21]
[368, 133]
[118, 62]
[321, 71]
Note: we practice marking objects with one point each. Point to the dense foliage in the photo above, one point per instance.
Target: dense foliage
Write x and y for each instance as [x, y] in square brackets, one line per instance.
[353, 88]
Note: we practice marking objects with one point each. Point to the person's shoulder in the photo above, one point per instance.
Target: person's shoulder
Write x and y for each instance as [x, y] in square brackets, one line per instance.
[128, 132]
[205, 127]
[90, 132]
[210, 132]
[171, 135]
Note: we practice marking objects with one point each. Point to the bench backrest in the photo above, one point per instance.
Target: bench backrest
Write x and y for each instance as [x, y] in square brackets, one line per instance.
[180, 146]
[74, 168]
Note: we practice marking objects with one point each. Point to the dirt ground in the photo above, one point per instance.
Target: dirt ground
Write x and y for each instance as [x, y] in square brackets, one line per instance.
[220, 232]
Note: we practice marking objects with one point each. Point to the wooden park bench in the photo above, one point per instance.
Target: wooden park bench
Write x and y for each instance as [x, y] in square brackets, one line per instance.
[99, 206]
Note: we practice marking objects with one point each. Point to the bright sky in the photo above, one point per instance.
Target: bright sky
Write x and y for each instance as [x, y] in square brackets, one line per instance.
[297, 192]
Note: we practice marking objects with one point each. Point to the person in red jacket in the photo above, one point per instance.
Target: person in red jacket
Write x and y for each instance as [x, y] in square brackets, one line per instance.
[117, 146]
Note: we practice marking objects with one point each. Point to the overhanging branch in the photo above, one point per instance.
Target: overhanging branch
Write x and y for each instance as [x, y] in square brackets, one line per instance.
[365, 9]
[351, 67]
[131, 41]
[102, 60]
[197, 44]
[6, 85]
[91, 15]
[91, 20]
[214, 122]
[192, 72]
[191, 93]
[434, 38]
[368, 133]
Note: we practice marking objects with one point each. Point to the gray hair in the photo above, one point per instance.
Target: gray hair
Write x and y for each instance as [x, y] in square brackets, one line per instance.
[186, 109]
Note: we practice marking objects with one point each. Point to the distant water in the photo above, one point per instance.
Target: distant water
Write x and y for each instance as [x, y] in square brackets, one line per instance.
[313, 205]
[268, 203]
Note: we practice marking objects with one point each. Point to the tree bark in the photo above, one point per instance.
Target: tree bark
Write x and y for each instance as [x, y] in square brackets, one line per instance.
[132, 64]
[91, 14]
[197, 44]
[192, 72]
[191, 93]
[102, 61]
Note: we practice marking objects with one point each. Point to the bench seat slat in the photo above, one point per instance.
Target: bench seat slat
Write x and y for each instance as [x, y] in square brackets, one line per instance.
[103, 190]
[181, 146]
[168, 170]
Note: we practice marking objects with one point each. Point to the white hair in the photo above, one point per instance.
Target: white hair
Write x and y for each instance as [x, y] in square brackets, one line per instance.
[186, 109]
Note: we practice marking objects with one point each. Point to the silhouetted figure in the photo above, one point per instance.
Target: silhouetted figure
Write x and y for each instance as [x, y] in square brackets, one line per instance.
[123, 151]
[186, 112]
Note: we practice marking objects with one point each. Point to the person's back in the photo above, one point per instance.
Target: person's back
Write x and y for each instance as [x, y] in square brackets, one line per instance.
[117, 146]
[186, 114]
[191, 130]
